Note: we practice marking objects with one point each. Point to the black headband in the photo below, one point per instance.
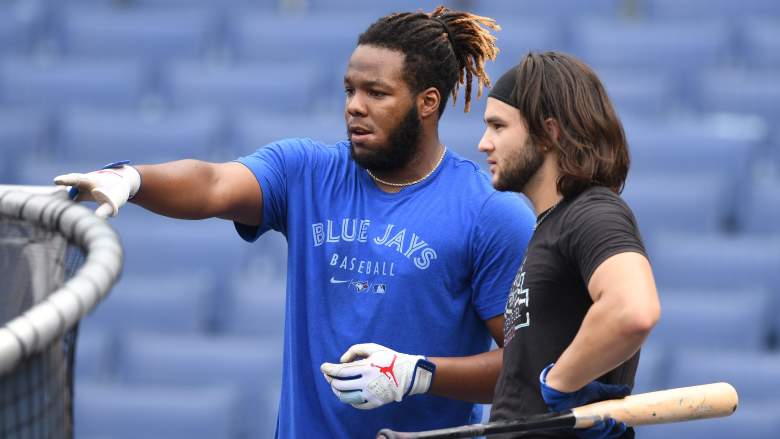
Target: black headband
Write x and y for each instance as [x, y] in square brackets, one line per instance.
[505, 87]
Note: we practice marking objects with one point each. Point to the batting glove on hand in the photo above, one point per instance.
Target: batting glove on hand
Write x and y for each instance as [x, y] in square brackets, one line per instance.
[558, 401]
[380, 377]
[110, 187]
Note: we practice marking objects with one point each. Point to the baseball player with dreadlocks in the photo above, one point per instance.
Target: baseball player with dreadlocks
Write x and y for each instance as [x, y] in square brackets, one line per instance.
[401, 252]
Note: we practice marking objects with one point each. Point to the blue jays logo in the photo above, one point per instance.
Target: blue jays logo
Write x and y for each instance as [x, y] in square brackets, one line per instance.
[359, 285]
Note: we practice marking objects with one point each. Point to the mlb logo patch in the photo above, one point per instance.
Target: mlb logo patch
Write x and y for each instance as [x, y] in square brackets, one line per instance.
[379, 288]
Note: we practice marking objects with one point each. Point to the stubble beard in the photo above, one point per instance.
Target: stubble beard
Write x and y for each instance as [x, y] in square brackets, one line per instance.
[520, 168]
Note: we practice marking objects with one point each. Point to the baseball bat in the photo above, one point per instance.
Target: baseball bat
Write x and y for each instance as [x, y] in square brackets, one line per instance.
[665, 406]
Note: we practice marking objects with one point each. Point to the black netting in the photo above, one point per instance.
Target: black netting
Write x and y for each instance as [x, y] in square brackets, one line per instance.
[36, 396]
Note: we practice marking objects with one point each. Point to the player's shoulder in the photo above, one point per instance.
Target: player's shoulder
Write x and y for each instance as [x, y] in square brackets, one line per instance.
[599, 197]
[306, 150]
[307, 144]
[597, 203]
[475, 186]
[468, 175]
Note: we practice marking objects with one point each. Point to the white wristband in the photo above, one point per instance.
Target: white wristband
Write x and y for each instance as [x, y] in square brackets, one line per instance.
[133, 179]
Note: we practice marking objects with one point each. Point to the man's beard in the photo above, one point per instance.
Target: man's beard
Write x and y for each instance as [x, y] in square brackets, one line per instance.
[519, 168]
[402, 146]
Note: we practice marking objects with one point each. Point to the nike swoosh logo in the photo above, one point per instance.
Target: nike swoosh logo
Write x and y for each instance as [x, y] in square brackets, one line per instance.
[333, 280]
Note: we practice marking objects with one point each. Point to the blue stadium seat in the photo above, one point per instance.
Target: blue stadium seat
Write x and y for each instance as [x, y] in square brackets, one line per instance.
[160, 246]
[737, 319]
[462, 132]
[22, 132]
[141, 34]
[57, 83]
[176, 303]
[291, 38]
[714, 261]
[696, 9]
[19, 23]
[741, 91]
[702, 144]
[275, 87]
[755, 375]
[761, 42]
[217, 5]
[520, 35]
[651, 374]
[547, 8]
[41, 171]
[256, 306]
[639, 92]
[273, 39]
[674, 46]
[677, 202]
[143, 137]
[251, 365]
[254, 129]
[760, 212]
[94, 355]
[377, 7]
[132, 412]
[751, 421]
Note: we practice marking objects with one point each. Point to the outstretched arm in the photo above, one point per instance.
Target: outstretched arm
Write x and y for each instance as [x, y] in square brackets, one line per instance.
[188, 189]
[193, 189]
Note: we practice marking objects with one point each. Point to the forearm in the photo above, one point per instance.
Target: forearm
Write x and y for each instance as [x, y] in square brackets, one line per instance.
[177, 189]
[467, 378]
[604, 341]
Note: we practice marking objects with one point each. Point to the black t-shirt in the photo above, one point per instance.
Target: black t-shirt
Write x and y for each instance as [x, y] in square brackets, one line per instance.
[549, 297]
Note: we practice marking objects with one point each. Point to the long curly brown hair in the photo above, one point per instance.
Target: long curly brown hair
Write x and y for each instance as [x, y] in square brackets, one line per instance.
[592, 147]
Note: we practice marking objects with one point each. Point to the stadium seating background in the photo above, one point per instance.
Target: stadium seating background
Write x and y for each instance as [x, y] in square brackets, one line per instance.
[189, 342]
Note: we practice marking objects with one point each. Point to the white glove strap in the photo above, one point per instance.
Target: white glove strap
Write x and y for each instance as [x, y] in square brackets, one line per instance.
[421, 377]
[133, 178]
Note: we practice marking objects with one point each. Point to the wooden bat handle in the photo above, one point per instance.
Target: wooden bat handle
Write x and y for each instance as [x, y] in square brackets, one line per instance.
[674, 405]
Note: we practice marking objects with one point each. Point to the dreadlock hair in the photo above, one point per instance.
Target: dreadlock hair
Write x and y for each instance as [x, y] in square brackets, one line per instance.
[443, 49]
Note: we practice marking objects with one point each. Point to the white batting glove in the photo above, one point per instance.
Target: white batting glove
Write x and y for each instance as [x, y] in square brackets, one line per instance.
[110, 187]
[380, 377]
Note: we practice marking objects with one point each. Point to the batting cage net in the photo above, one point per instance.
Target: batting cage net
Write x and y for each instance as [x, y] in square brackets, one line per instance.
[57, 261]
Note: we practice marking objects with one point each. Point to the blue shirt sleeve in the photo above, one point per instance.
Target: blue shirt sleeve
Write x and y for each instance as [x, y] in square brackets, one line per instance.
[504, 228]
[274, 166]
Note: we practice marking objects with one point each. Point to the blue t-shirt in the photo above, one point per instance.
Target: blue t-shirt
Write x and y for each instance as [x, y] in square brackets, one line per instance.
[417, 271]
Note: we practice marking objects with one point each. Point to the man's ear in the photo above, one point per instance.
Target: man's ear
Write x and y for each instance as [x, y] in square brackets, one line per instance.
[553, 129]
[428, 102]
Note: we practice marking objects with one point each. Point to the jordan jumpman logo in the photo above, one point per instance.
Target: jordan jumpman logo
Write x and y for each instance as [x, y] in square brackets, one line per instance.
[387, 370]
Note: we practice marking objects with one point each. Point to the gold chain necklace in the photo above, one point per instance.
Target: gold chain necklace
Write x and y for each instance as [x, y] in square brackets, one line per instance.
[379, 180]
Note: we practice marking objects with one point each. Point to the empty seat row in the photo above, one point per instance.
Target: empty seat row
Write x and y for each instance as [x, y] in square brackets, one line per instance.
[133, 411]
[190, 304]
[302, 87]
[239, 377]
[755, 374]
[184, 84]
[243, 373]
[715, 261]
[702, 144]
[675, 45]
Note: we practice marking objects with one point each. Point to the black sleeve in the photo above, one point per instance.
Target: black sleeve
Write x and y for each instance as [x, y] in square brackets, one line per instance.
[599, 225]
